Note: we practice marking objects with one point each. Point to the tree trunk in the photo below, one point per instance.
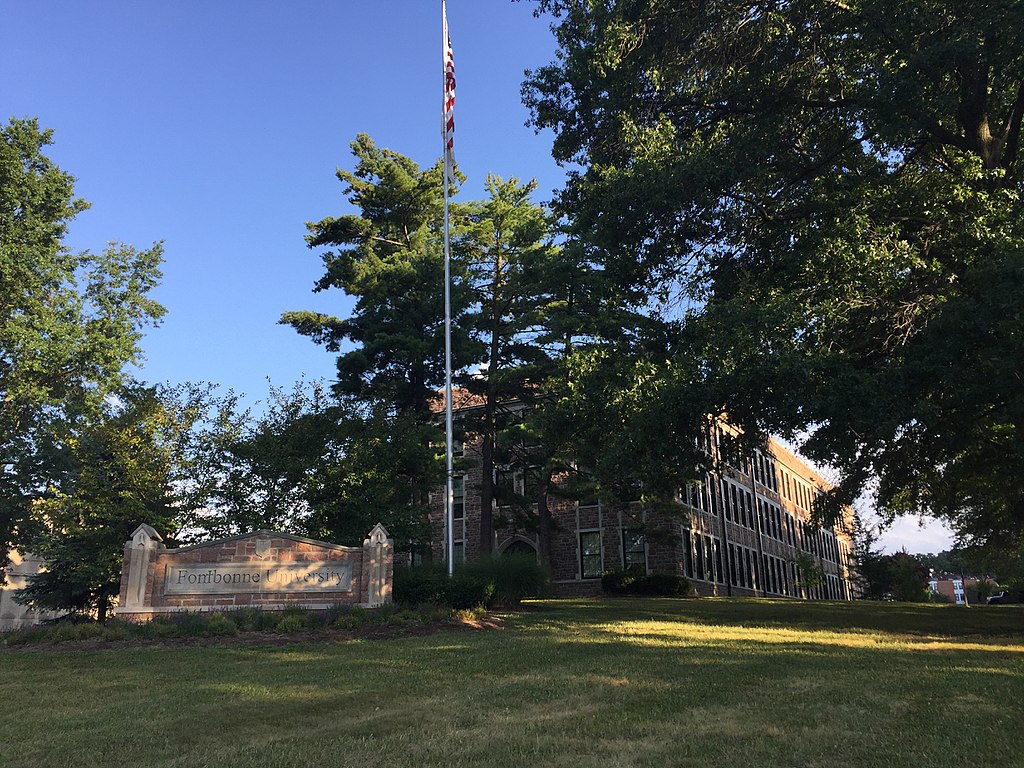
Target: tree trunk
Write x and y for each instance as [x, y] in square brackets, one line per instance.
[102, 606]
[487, 478]
[544, 519]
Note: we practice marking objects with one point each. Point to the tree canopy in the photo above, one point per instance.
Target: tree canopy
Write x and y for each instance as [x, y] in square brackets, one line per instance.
[69, 324]
[825, 199]
[390, 258]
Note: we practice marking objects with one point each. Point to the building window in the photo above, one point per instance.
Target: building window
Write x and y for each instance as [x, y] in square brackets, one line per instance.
[531, 484]
[687, 554]
[504, 486]
[459, 552]
[634, 549]
[458, 496]
[590, 554]
[721, 578]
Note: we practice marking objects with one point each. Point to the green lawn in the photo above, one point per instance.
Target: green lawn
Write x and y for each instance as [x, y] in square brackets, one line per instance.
[568, 683]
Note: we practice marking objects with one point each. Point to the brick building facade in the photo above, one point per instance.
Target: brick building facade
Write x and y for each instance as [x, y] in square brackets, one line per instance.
[747, 532]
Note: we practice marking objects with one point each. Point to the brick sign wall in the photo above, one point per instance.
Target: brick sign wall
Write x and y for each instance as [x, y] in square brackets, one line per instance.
[263, 569]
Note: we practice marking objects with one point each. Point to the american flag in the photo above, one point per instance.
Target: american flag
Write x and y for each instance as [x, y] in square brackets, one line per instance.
[448, 113]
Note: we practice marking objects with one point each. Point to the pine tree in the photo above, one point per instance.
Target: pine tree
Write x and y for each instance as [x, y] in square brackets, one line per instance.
[507, 238]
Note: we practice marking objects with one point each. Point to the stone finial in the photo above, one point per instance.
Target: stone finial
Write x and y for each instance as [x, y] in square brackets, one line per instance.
[378, 535]
[145, 537]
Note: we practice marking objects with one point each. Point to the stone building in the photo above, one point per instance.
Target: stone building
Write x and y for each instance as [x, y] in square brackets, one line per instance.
[745, 532]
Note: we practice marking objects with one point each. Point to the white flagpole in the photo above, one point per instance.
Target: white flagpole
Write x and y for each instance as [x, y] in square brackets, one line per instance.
[449, 516]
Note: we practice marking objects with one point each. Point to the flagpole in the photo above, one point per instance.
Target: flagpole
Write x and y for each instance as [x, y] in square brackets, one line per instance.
[449, 516]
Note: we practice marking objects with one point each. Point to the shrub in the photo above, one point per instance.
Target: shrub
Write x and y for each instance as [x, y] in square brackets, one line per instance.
[348, 622]
[117, 630]
[253, 619]
[485, 582]
[291, 623]
[158, 628]
[468, 614]
[619, 582]
[68, 631]
[467, 590]
[219, 624]
[663, 584]
[25, 636]
[420, 584]
[514, 577]
[630, 582]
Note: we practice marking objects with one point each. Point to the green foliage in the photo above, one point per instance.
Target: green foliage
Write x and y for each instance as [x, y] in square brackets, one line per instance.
[812, 575]
[982, 590]
[274, 463]
[291, 624]
[901, 576]
[827, 197]
[467, 590]
[909, 579]
[632, 582]
[514, 577]
[501, 580]
[419, 584]
[219, 624]
[69, 324]
[232, 622]
[378, 467]
[133, 461]
[506, 243]
[431, 584]
[389, 257]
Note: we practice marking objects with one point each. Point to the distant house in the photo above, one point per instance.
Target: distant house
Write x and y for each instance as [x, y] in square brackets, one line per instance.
[954, 587]
[12, 614]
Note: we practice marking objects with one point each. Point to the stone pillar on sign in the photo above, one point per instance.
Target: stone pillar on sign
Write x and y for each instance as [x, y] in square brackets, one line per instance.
[378, 567]
[135, 576]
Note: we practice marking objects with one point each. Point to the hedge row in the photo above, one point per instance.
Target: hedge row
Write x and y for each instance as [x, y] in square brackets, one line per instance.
[490, 581]
[630, 582]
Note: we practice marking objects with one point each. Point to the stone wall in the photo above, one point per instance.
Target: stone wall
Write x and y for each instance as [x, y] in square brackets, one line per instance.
[12, 613]
[264, 569]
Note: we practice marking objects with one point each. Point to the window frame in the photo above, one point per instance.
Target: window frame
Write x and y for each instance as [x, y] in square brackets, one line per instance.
[584, 556]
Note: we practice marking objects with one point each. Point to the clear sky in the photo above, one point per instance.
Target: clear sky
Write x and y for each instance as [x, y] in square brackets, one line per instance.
[216, 126]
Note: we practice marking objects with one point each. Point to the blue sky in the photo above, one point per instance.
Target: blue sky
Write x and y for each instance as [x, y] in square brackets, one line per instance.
[217, 127]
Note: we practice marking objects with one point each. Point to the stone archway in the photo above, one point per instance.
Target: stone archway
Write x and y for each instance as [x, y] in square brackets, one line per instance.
[519, 546]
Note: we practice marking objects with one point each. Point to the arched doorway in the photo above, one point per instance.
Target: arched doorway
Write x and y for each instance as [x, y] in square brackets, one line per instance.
[519, 547]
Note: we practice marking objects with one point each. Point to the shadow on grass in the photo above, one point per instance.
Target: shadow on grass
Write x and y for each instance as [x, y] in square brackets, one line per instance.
[900, 618]
[575, 683]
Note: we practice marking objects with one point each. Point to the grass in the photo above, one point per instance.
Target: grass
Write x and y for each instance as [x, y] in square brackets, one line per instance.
[655, 682]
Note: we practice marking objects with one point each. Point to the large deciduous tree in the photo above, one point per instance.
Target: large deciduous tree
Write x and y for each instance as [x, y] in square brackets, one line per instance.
[69, 324]
[836, 191]
[143, 457]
